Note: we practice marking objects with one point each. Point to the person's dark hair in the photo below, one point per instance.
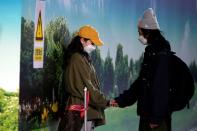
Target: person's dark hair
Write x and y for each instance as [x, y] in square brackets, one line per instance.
[153, 36]
[74, 46]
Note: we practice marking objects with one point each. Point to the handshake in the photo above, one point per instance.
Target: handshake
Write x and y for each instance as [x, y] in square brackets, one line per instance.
[113, 103]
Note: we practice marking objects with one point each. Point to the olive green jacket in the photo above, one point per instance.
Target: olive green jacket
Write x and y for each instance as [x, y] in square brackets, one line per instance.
[78, 75]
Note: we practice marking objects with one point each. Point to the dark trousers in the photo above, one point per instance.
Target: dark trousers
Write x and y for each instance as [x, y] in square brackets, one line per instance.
[71, 121]
[164, 125]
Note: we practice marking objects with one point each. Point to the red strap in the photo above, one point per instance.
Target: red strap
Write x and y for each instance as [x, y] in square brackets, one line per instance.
[80, 108]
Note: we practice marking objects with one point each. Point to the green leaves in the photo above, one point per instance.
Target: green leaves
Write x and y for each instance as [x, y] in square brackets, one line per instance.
[193, 68]
[115, 78]
[109, 76]
[121, 70]
[8, 111]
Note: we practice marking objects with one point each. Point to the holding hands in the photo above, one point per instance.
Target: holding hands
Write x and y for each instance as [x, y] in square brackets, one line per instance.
[113, 103]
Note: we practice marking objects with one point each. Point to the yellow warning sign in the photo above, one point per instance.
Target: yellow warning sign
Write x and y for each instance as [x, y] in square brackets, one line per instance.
[39, 31]
[38, 54]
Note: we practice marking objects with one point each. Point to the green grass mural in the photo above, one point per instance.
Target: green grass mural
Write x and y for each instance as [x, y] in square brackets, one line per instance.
[126, 119]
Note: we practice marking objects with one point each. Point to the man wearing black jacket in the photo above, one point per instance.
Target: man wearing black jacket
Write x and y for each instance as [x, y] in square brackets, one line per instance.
[151, 89]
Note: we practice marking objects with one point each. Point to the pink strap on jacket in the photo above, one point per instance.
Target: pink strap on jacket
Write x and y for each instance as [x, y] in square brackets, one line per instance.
[79, 108]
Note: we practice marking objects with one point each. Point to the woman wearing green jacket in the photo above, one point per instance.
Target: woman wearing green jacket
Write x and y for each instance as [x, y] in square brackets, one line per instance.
[80, 73]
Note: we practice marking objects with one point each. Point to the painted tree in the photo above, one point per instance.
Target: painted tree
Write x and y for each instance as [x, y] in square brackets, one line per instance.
[108, 76]
[137, 67]
[131, 71]
[118, 72]
[121, 70]
[98, 64]
[31, 79]
[193, 68]
[126, 72]
[57, 37]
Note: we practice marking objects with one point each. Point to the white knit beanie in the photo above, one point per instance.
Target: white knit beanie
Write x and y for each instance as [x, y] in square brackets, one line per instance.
[148, 20]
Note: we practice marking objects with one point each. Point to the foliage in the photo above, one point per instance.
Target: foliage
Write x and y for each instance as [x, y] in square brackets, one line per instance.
[137, 66]
[26, 63]
[108, 76]
[2, 101]
[193, 68]
[98, 64]
[126, 72]
[57, 36]
[9, 111]
[121, 70]
[39, 87]
[131, 71]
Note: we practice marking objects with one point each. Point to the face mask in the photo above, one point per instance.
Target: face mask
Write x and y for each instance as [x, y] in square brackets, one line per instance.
[142, 40]
[89, 48]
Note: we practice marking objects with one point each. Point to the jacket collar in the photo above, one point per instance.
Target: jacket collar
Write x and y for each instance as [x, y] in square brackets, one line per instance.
[157, 46]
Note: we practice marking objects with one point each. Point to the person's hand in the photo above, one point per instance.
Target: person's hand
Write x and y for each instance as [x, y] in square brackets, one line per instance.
[153, 125]
[113, 103]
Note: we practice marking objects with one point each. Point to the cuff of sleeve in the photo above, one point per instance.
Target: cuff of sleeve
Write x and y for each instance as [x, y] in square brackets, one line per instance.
[119, 102]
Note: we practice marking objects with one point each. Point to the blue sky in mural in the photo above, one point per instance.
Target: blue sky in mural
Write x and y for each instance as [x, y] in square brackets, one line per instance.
[115, 20]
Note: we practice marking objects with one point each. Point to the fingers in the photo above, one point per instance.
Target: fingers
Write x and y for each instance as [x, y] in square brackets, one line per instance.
[113, 103]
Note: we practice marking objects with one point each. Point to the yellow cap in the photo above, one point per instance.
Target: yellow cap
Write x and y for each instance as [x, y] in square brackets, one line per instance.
[90, 32]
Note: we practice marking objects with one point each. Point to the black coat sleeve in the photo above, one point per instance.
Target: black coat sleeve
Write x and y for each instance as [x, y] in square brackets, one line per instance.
[160, 90]
[130, 96]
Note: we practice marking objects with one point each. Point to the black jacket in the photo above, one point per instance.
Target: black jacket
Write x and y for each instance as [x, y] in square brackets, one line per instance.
[151, 89]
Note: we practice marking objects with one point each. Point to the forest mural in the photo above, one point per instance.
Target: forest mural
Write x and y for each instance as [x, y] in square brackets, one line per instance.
[41, 94]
